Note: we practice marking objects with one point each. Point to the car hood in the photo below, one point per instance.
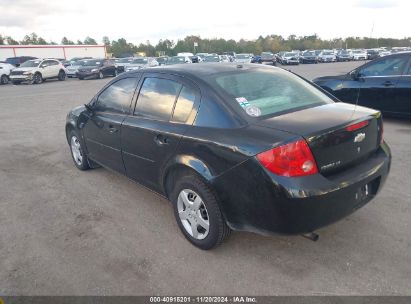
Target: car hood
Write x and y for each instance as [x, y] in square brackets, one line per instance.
[326, 78]
[24, 69]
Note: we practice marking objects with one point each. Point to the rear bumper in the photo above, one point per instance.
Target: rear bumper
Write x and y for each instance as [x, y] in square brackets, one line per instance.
[266, 203]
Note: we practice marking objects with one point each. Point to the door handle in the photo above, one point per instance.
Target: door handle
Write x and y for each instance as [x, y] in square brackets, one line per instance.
[112, 129]
[388, 83]
[161, 140]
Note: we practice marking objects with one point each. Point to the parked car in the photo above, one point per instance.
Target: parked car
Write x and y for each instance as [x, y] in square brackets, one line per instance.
[373, 54]
[122, 63]
[73, 68]
[162, 60]
[327, 56]
[178, 60]
[344, 55]
[224, 58]
[244, 147]
[38, 70]
[308, 57]
[212, 58]
[383, 84]
[97, 68]
[16, 61]
[359, 55]
[141, 62]
[268, 58]
[256, 59]
[289, 58]
[243, 58]
[231, 55]
[5, 70]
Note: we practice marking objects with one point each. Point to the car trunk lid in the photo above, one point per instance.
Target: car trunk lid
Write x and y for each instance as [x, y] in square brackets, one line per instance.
[339, 135]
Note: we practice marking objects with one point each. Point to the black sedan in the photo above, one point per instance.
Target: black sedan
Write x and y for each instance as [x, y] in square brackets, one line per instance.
[97, 68]
[383, 84]
[243, 147]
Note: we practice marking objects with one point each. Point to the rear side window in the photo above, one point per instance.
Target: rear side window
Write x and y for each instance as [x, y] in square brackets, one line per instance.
[267, 92]
[390, 66]
[117, 97]
[184, 105]
[157, 97]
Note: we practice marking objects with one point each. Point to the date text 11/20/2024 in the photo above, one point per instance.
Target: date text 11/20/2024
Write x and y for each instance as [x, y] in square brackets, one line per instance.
[236, 299]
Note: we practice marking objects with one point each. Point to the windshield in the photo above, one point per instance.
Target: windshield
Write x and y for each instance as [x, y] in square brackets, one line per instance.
[30, 64]
[345, 52]
[243, 56]
[177, 59]
[78, 63]
[124, 60]
[212, 58]
[140, 61]
[290, 54]
[92, 62]
[162, 59]
[358, 52]
[328, 53]
[267, 92]
[310, 53]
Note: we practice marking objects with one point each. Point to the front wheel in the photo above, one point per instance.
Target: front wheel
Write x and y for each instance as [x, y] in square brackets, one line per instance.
[77, 152]
[4, 79]
[37, 78]
[197, 213]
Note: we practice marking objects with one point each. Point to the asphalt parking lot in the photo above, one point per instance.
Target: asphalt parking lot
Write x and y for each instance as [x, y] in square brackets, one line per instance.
[67, 232]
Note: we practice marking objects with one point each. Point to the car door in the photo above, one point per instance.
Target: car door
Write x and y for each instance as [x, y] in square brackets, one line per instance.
[378, 82]
[102, 132]
[106, 69]
[401, 104]
[45, 69]
[165, 108]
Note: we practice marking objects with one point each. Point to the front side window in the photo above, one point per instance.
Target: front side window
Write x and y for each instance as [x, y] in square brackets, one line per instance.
[267, 92]
[117, 97]
[157, 97]
[384, 67]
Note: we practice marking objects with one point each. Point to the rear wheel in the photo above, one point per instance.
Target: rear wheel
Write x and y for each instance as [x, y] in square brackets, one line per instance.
[197, 213]
[61, 76]
[4, 79]
[79, 157]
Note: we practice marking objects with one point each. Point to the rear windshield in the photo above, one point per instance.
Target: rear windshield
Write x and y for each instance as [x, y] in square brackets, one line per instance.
[269, 92]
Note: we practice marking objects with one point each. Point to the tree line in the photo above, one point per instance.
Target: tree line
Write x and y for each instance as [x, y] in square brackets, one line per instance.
[273, 43]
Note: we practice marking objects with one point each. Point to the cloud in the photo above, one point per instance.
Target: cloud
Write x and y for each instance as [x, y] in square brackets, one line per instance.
[375, 4]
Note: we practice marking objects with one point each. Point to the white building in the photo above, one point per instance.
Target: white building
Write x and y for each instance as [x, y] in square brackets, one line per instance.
[53, 51]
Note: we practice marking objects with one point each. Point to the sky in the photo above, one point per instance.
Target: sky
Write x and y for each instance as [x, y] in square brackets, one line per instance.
[139, 21]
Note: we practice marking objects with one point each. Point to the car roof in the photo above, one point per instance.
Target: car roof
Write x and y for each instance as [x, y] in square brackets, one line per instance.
[199, 71]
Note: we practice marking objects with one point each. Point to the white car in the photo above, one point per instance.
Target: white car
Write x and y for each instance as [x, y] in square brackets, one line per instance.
[5, 70]
[359, 55]
[327, 56]
[37, 70]
[141, 62]
[243, 58]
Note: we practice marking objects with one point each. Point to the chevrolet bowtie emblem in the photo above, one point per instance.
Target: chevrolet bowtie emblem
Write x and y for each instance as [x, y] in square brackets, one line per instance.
[359, 137]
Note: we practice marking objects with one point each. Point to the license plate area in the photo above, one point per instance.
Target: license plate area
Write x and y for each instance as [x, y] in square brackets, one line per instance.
[366, 192]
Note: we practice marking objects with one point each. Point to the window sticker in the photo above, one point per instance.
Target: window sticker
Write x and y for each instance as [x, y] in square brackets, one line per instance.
[243, 102]
[253, 111]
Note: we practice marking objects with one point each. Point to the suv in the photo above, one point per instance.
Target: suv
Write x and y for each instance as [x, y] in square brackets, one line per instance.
[5, 69]
[37, 70]
[16, 61]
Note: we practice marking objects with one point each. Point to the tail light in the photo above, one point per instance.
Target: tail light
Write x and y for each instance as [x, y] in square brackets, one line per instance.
[292, 159]
[357, 126]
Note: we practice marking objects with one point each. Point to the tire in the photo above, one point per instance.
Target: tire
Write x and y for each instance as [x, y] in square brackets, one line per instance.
[100, 75]
[207, 212]
[61, 76]
[4, 79]
[37, 79]
[79, 157]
